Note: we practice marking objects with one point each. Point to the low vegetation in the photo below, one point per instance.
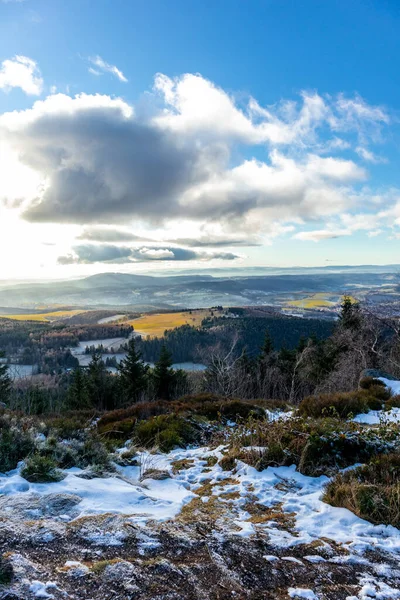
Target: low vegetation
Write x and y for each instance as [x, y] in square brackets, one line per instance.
[372, 491]
[344, 404]
[41, 469]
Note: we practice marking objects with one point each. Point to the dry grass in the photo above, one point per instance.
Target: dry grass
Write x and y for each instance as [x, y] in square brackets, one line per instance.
[372, 492]
[182, 465]
[261, 514]
[45, 317]
[151, 325]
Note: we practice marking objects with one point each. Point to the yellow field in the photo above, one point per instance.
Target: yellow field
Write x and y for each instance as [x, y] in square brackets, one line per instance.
[314, 301]
[47, 317]
[155, 325]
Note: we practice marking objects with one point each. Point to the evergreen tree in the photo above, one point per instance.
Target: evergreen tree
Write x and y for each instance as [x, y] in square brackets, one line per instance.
[5, 381]
[268, 345]
[133, 374]
[164, 376]
[350, 314]
[301, 345]
[78, 391]
[98, 383]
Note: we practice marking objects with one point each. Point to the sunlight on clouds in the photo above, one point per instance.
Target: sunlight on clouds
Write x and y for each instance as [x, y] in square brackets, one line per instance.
[128, 183]
[21, 72]
[18, 182]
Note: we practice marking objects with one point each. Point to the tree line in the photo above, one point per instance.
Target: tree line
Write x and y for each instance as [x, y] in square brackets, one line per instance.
[359, 340]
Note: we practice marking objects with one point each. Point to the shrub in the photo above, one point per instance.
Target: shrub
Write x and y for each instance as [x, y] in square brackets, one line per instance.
[344, 404]
[317, 447]
[64, 455]
[324, 454]
[393, 402]
[70, 425]
[41, 469]
[94, 454]
[230, 410]
[15, 445]
[367, 382]
[165, 431]
[227, 463]
[118, 430]
[372, 491]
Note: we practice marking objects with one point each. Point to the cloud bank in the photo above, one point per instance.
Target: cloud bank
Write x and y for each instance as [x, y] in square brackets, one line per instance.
[191, 152]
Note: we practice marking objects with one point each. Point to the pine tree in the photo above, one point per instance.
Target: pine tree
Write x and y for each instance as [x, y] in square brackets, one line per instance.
[5, 381]
[97, 378]
[268, 345]
[78, 391]
[164, 376]
[133, 374]
[350, 314]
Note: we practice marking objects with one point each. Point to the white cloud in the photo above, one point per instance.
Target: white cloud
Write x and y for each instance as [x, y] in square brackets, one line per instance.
[101, 64]
[156, 253]
[191, 155]
[21, 72]
[369, 156]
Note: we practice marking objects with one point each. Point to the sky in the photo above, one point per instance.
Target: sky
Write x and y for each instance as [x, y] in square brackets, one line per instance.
[149, 135]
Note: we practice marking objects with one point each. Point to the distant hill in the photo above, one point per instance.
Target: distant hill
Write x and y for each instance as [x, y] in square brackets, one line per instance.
[197, 290]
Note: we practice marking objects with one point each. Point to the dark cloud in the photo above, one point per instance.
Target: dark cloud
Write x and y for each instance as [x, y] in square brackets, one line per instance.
[94, 253]
[100, 234]
[105, 253]
[102, 165]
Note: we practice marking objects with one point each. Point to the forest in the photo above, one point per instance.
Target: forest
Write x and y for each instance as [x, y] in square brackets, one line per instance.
[246, 357]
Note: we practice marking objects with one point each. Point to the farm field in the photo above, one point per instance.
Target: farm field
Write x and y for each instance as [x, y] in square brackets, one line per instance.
[44, 317]
[319, 300]
[155, 325]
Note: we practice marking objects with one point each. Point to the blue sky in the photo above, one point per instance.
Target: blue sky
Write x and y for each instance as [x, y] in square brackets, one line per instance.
[298, 166]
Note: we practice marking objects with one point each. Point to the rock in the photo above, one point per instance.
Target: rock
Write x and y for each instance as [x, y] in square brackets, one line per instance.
[156, 474]
[76, 569]
[59, 504]
[35, 506]
[23, 568]
[119, 571]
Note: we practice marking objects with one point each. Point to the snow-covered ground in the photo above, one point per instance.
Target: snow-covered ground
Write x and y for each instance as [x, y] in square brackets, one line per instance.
[375, 417]
[392, 384]
[295, 493]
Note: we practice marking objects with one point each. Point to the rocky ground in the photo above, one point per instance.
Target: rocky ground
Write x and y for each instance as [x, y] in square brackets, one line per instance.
[237, 534]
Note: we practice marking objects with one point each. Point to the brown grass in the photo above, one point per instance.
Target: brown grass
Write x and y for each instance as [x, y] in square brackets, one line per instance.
[372, 492]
